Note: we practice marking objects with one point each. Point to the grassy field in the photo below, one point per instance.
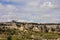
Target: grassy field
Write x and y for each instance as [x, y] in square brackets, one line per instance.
[16, 34]
[30, 36]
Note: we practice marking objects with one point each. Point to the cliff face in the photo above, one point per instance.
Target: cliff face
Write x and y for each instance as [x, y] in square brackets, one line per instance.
[42, 27]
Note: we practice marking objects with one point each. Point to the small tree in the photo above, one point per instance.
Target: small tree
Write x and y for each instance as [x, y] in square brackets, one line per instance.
[9, 37]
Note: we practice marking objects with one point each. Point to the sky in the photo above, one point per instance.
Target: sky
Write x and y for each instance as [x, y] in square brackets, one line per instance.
[40, 11]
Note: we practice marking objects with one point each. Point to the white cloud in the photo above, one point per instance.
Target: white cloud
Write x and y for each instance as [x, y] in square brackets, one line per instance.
[1, 6]
[32, 11]
[12, 0]
[33, 4]
[16, 0]
[24, 20]
[7, 8]
[37, 6]
[47, 5]
[7, 11]
[9, 15]
[10, 8]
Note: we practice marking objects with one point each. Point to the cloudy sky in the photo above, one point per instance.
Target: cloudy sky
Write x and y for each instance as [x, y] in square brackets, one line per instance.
[42, 11]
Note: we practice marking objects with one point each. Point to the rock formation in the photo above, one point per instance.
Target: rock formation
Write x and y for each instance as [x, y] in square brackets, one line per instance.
[42, 27]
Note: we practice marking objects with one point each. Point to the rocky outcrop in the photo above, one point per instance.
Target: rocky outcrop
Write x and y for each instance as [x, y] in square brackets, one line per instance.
[42, 27]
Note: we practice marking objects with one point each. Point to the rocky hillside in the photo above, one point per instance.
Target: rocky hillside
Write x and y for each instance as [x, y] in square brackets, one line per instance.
[29, 31]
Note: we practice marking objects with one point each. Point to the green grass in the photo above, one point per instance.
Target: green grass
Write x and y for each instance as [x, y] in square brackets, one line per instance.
[21, 35]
